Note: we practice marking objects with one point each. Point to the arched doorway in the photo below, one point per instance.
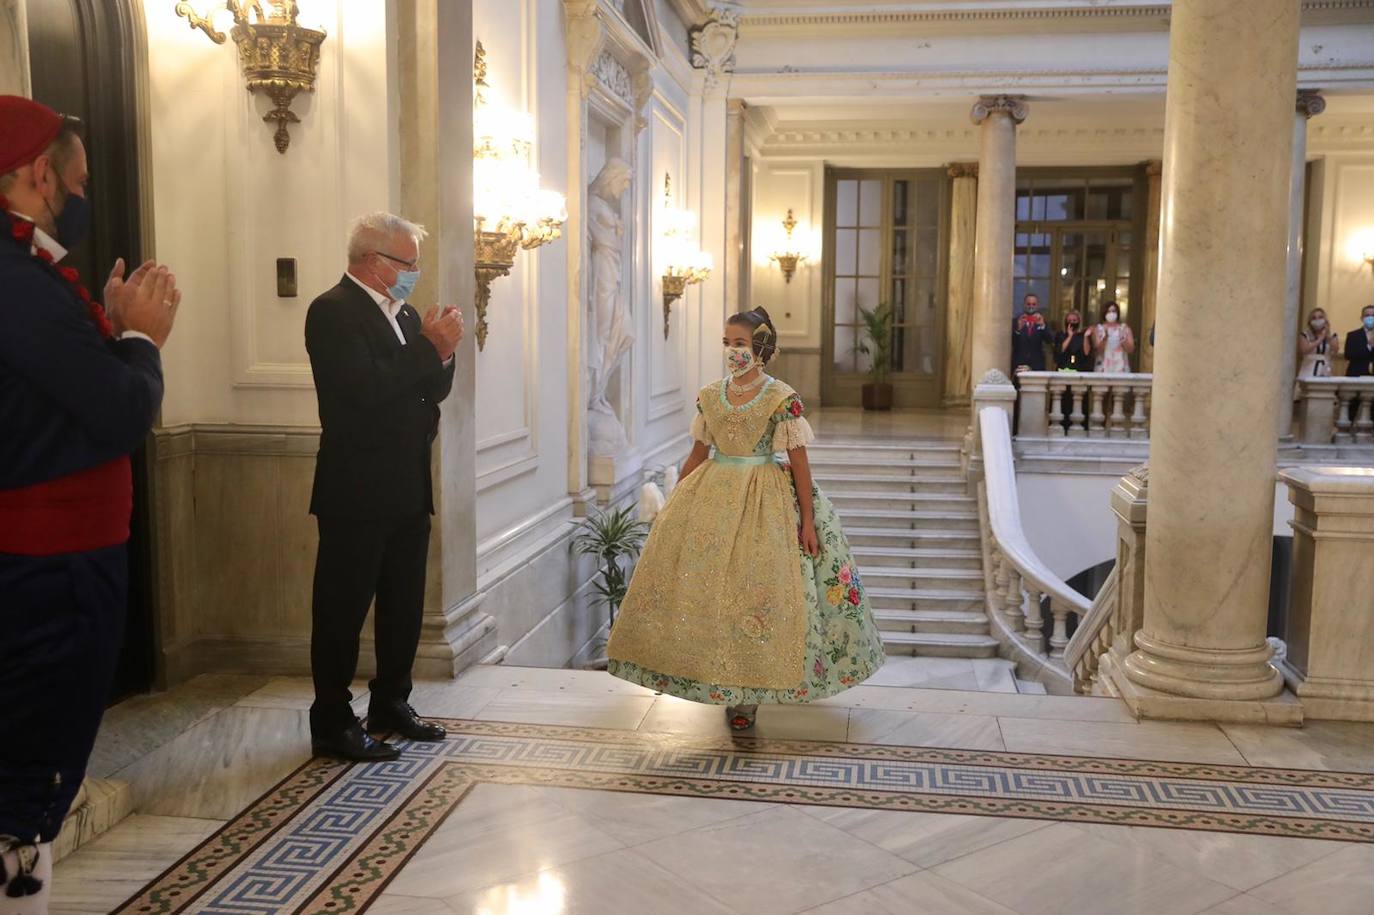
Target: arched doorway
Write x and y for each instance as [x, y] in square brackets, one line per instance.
[82, 62]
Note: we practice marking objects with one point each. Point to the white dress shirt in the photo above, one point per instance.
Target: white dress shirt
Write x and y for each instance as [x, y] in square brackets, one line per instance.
[389, 308]
[42, 240]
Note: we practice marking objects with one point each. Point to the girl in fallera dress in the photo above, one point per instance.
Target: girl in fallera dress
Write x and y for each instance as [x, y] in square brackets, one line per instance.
[747, 592]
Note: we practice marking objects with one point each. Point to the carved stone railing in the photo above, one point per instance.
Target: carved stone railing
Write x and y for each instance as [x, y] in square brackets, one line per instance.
[1108, 631]
[1093, 636]
[1020, 587]
[1336, 411]
[1084, 405]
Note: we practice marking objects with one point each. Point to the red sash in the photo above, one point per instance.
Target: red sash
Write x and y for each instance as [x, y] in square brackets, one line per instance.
[83, 511]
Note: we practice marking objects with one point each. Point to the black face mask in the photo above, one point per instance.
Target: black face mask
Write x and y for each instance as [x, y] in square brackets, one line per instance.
[74, 220]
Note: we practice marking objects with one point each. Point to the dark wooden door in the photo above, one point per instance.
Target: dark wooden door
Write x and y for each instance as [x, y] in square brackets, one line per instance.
[81, 55]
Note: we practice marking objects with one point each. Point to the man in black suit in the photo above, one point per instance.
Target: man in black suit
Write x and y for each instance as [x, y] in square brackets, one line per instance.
[1359, 346]
[1030, 336]
[380, 373]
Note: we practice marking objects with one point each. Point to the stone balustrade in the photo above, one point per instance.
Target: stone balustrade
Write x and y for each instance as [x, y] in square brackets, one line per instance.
[1029, 607]
[1336, 411]
[1084, 405]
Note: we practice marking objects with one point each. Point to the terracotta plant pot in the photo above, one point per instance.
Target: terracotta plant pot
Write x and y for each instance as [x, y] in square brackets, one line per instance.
[877, 396]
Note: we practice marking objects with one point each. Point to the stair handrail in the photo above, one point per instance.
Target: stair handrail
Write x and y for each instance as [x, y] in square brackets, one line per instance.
[1093, 635]
[1004, 513]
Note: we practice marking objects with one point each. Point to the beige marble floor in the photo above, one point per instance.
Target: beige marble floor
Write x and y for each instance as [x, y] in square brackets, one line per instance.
[207, 749]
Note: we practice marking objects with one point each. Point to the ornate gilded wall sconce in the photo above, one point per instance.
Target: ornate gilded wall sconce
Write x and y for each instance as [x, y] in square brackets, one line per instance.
[684, 263]
[791, 254]
[279, 56]
[509, 210]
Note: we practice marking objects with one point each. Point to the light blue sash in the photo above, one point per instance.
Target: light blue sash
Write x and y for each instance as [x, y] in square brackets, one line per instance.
[752, 460]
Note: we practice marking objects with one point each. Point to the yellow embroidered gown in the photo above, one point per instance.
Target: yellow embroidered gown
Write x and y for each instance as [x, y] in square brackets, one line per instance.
[724, 606]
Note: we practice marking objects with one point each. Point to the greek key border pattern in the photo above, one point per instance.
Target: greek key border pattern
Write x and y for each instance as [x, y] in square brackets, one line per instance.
[330, 837]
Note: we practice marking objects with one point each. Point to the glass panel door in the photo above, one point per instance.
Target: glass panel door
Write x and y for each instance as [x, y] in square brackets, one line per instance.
[885, 248]
[858, 265]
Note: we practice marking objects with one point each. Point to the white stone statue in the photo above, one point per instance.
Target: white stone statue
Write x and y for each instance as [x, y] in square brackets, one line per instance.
[611, 325]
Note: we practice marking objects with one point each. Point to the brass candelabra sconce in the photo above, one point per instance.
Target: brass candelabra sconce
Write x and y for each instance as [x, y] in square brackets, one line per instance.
[789, 257]
[279, 56]
[510, 212]
[684, 263]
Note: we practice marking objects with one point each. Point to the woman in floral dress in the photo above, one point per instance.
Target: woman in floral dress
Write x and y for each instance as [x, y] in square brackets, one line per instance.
[747, 591]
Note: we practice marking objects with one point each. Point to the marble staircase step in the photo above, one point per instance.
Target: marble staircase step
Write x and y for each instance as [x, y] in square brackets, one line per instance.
[862, 501]
[940, 644]
[916, 557]
[968, 599]
[925, 520]
[842, 483]
[911, 538]
[923, 578]
[970, 622]
[1030, 688]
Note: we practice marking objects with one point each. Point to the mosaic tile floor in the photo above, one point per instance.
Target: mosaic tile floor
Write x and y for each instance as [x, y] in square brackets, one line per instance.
[332, 837]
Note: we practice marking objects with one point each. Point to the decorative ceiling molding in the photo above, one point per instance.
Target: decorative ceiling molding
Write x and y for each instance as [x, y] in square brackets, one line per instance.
[765, 87]
[1146, 13]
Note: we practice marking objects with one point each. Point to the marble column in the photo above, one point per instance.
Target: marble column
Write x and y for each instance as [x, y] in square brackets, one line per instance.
[1310, 103]
[963, 211]
[1201, 652]
[734, 265]
[436, 191]
[1149, 287]
[14, 48]
[997, 116]
[713, 57]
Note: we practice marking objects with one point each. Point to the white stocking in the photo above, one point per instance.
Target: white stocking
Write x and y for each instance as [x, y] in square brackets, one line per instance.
[36, 904]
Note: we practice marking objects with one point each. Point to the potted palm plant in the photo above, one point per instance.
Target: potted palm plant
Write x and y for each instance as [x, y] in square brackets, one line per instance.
[613, 538]
[875, 342]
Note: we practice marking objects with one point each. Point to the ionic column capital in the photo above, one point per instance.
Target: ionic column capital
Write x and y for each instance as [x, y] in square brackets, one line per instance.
[962, 169]
[1014, 106]
[1310, 102]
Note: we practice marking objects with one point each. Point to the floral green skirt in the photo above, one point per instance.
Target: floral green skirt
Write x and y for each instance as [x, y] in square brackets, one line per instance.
[843, 645]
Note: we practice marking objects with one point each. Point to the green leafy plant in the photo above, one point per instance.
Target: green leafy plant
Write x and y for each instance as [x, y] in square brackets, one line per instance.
[875, 341]
[611, 537]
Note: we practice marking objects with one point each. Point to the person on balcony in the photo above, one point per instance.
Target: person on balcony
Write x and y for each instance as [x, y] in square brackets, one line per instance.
[1318, 345]
[1359, 346]
[1029, 337]
[1113, 342]
[1072, 345]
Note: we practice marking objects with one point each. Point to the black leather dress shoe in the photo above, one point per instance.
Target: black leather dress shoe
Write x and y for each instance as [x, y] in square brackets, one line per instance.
[353, 744]
[400, 719]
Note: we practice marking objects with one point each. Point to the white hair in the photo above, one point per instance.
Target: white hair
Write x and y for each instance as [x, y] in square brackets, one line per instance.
[369, 233]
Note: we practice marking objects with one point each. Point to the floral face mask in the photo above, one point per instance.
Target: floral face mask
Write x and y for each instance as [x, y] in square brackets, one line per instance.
[739, 359]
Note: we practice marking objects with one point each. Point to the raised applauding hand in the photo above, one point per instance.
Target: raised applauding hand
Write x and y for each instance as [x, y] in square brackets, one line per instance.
[444, 329]
[146, 302]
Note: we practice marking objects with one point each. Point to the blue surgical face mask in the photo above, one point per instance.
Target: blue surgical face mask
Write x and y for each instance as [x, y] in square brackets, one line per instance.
[404, 286]
[1369, 322]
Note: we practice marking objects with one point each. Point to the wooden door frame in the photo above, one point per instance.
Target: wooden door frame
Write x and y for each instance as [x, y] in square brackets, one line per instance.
[909, 389]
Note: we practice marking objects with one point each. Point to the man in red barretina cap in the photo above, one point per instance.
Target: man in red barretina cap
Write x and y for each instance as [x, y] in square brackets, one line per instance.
[80, 387]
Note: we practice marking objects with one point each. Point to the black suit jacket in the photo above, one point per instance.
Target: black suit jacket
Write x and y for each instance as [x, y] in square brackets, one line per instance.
[379, 407]
[1028, 345]
[1358, 354]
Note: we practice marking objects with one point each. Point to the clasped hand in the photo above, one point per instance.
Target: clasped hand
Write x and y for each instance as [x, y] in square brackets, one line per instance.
[444, 329]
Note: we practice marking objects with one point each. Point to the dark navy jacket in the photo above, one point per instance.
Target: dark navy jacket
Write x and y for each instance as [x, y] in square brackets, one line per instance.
[69, 400]
[1028, 345]
[379, 407]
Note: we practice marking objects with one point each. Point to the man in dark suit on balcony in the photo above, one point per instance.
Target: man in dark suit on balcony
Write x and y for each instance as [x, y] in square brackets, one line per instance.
[1029, 337]
[1359, 346]
[380, 373]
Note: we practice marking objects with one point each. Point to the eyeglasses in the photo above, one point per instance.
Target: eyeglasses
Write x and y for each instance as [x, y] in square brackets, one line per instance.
[409, 265]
